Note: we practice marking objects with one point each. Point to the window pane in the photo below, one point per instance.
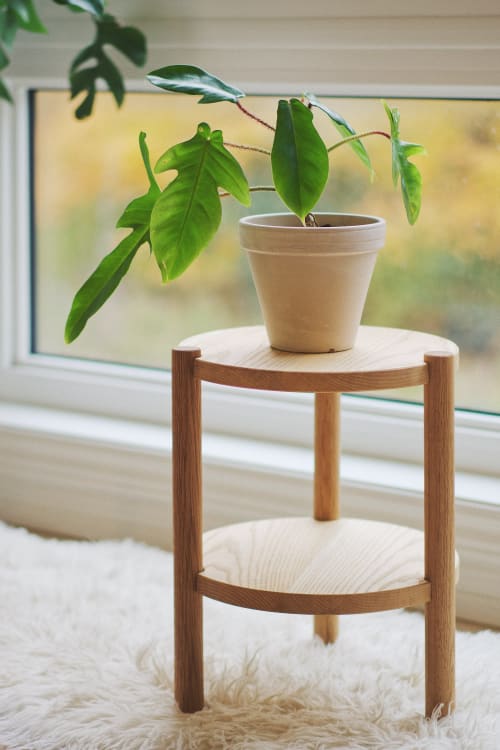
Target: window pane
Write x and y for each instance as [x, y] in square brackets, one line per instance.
[441, 276]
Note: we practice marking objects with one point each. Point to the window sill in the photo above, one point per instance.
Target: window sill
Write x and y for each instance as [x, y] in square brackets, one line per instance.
[98, 477]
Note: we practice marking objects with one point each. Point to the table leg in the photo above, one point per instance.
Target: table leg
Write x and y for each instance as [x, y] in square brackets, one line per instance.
[326, 482]
[439, 532]
[187, 530]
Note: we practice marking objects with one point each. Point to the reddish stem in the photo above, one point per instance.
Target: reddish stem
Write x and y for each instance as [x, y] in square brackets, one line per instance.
[254, 117]
[381, 132]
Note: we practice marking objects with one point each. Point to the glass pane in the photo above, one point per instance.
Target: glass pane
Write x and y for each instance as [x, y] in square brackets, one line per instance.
[441, 276]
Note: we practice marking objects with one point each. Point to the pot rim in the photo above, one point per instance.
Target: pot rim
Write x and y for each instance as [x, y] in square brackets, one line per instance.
[255, 221]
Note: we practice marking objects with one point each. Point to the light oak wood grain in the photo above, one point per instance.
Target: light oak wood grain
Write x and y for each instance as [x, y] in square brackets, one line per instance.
[326, 456]
[187, 529]
[381, 358]
[324, 565]
[439, 498]
[326, 483]
[318, 567]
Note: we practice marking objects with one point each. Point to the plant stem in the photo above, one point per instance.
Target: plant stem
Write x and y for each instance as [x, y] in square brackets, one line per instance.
[248, 148]
[357, 136]
[268, 188]
[254, 117]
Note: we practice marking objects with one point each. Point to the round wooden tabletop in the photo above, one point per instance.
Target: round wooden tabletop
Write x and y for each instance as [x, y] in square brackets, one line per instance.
[381, 358]
[315, 567]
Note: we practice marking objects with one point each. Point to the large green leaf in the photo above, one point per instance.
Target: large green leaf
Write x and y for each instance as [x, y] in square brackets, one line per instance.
[110, 271]
[14, 15]
[188, 213]
[344, 129]
[411, 179]
[188, 79]
[102, 283]
[299, 158]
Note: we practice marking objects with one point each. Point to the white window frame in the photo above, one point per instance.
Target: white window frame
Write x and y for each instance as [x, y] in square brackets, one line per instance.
[80, 407]
[374, 427]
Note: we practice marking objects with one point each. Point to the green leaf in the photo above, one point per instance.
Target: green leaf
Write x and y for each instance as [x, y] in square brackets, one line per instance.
[188, 213]
[411, 179]
[87, 53]
[94, 7]
[27, 16]
[126, 39]
[188, 79]
[3, 19]
[81, 80]
[207, 147]
[299, 158]
[344, 129]
[4, 92]
[102, 283]
[131, 42]
[9, 26]
[147, 163]
[4, 60]
[110, 271]
[138, 212]
[107, 70]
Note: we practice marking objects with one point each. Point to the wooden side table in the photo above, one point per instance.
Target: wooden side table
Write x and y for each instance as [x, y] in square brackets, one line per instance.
[324, 565]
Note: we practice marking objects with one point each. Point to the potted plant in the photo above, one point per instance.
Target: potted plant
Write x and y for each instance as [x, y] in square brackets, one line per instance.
[312, 271]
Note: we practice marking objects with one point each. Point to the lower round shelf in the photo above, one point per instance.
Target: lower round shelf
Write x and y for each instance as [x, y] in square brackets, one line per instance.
[303, 566]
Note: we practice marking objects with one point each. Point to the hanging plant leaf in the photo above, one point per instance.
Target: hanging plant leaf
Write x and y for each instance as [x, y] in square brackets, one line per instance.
[299, 158]
[110, 271]
[27, 16]
[188, 213]
[128, 40]
[4, 60]
[9, 26]
[4, 92]
[94, 7]
[411, 179]
[188, 79]
[7, 34]
[344, 129]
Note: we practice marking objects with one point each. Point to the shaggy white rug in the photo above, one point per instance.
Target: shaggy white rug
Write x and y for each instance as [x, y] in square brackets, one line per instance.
[86, 663]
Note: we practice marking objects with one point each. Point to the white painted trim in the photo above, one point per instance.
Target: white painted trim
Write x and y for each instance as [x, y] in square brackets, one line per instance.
[97, 477]
[223, 9]
[371, 427]
[383, 48]
[6, 234]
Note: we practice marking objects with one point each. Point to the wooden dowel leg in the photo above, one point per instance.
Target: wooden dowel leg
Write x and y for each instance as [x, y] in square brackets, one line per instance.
[326, 483]
[187, 530]
[439, 532]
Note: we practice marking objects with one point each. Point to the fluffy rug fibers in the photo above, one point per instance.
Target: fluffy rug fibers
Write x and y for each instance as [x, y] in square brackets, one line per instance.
[86, 663]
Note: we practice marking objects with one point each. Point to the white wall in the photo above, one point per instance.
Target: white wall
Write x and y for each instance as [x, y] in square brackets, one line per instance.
[325, 45]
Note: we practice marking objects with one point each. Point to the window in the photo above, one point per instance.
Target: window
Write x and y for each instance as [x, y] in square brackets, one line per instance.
[264, 48]
[442, 276]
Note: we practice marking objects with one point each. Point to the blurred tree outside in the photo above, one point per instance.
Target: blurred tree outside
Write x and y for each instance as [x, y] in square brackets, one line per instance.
[441, 276]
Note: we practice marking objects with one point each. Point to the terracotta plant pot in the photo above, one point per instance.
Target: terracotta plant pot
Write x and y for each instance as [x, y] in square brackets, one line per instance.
[312, 282]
